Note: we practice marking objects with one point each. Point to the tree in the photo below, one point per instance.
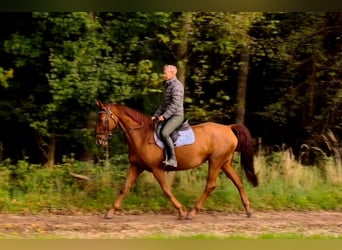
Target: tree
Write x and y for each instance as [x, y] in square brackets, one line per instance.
[305, 95]
[67, 48]
[273, 71]
[220, 53]
[243, 24]
[182, 53]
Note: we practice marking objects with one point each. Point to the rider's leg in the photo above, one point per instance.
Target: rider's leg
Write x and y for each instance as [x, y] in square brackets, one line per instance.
[170, 125]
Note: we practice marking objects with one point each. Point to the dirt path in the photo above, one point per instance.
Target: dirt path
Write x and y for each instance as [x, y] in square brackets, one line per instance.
[128, 226]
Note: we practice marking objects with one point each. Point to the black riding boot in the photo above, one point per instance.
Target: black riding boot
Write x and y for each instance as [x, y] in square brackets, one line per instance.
[171, 155]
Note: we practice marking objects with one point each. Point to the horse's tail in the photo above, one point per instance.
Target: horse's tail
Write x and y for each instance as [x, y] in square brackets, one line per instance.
[245, 147]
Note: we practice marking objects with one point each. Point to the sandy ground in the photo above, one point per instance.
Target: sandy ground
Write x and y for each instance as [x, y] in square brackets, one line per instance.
[151, 225]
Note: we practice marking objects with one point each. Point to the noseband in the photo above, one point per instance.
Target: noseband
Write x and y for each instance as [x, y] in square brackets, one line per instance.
[107, 132]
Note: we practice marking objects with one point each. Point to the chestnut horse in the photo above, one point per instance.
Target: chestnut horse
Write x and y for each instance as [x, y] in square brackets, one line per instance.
[215, 143]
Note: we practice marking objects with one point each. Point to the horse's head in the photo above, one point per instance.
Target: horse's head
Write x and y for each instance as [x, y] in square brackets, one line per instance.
[106, 123]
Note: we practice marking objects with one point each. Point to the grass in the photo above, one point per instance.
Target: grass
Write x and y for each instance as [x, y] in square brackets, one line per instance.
[284, 184]
[282, 236]
[239, 237]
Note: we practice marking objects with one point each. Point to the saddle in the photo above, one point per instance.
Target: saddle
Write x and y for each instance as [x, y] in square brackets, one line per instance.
[175, 134]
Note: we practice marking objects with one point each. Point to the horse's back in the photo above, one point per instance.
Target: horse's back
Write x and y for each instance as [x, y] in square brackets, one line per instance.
[215, 133]
[212, 126]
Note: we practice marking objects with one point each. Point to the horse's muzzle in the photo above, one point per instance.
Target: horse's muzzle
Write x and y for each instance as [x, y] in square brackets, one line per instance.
[103, 139]
[101, 142]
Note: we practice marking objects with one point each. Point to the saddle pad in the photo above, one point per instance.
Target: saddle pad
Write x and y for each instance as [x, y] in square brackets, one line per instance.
[185, 137]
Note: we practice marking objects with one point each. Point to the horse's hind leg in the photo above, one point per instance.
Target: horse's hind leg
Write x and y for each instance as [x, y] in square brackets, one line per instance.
[210, 186]
[160, 176]
[132, 175]
[231, 174]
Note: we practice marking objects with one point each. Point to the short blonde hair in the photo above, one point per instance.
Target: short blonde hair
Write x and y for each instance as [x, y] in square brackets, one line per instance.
[171, 68]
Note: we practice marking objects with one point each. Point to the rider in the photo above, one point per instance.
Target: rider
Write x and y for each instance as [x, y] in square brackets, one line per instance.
[170, 111]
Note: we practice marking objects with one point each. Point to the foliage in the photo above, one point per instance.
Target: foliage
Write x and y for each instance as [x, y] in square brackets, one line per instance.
[54, 66]
[310, 72]
[5, 76]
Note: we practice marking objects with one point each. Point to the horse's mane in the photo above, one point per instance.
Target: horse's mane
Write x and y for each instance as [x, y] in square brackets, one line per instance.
[134, 114]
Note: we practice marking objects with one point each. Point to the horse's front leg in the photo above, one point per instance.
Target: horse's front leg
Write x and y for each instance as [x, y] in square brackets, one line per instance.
[132, 175]
[160, 176]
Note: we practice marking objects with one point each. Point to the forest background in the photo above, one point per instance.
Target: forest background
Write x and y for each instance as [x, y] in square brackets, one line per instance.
[279, 73]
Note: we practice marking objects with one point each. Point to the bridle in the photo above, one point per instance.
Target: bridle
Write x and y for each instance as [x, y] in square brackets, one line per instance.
[109, 115]
[108, 133]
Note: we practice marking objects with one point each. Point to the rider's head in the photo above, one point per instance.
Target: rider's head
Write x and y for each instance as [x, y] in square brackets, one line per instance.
[170, 72]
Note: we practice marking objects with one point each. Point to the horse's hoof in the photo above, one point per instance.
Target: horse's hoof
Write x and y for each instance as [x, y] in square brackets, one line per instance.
[109, 214]
[189, 217]
[181, 217]
[107, 217]
[249, 214]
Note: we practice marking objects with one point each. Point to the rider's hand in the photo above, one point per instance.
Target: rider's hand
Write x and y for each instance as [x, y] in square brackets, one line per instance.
[161, 118]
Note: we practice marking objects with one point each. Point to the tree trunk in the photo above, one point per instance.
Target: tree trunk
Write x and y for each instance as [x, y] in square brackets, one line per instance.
[242, 86]
[182, 49]
[308, 114]
[87, 154]
[51, 151]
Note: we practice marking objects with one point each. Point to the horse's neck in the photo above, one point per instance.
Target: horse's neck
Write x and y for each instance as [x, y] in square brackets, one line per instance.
[135, 132]
[127, 124]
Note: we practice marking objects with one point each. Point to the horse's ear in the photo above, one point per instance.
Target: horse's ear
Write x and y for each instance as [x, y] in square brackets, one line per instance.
[99, 104]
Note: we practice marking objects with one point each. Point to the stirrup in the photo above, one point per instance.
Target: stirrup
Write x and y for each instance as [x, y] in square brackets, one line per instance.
[171, 163]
